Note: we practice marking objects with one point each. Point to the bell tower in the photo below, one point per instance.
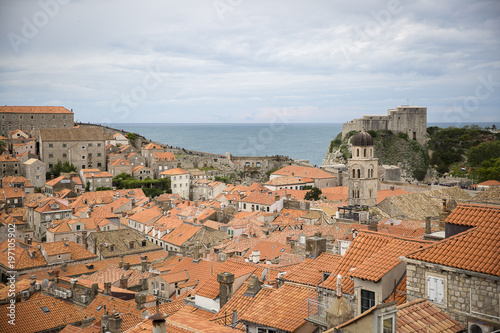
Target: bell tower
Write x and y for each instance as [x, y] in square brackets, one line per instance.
[363, 172]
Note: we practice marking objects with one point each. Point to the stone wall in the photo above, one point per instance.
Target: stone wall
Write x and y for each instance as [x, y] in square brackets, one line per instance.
[466, 295]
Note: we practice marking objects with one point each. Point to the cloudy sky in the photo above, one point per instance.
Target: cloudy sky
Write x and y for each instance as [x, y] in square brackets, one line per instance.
[251, 61]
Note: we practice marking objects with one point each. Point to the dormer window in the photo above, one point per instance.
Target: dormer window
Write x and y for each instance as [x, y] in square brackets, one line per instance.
[131, 245]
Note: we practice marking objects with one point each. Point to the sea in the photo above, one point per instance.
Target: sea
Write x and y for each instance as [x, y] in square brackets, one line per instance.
[308, 141]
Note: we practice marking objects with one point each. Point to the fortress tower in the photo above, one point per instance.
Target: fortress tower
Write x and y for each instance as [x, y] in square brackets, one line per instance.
[363, 172]
[411, 120]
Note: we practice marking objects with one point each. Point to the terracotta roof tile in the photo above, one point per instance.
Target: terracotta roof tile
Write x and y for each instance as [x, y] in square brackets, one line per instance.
[299, 171]
[474, 250]
[166, 156]
[309, 272]
[173, 172]
[111, 303]
[181, 234]
[59, 314]
[240, 302]
[152, 146]
[423, 316]
[34, 109]
[370, 256]
[472, 215]
[284, 309]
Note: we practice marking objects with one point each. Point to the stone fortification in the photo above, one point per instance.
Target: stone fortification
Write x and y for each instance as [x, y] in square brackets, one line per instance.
[411, 120]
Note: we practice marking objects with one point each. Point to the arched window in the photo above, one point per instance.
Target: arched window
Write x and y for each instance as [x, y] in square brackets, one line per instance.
[357, 152]
[359, 173]
[364, 152]
[353, 173]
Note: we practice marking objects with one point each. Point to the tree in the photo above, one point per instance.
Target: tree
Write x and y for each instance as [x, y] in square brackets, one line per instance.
[489, 170]
[61, 167]
[131, 136]
[483, 152]
[313, 194]
[3, 147]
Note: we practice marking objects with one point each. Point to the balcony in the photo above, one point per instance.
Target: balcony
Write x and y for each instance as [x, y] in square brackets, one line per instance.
[316, 312]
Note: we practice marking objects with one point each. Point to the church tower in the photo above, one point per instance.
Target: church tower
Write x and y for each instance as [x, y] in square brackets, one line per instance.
[363, 172]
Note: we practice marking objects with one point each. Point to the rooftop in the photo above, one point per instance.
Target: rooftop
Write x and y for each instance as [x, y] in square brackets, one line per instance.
[34, 109]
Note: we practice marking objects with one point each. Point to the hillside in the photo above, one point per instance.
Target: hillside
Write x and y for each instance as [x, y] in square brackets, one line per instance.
[389, 149]
[447, 149]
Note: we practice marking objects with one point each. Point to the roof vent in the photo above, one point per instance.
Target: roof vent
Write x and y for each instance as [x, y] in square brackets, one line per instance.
[45, 309]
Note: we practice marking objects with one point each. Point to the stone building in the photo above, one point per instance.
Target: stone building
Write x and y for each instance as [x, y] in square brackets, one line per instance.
[161, 162]
[363, 172]
[34, 117]
[34, 170]
[461, 274]
[411, 120]
[179, 181]
[9, 166]
[84, 147]
[40, 214]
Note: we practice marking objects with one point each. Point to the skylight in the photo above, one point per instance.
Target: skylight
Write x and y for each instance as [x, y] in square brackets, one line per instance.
[45, 309]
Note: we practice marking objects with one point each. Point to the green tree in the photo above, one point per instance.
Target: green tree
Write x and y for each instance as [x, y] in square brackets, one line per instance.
[483, 152]
[61, 167]
[131, 136]
[313, 194]
[489, 170]
[3, 146]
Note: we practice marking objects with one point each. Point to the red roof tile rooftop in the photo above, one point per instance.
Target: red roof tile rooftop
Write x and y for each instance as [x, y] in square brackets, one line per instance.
[476, 249]
[423, 316]
[34, 109]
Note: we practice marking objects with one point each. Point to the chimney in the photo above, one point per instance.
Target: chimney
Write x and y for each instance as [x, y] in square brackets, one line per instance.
[256, 256]
[56, 276]
[373, 226]
[115, 322]
[64, 266]
[66, 242]
[159, 323]
[253, 286]
[168, 213]
[84, 239]
[123, 282]
[339, 286]
[277, 198]
[140, 299]
[315, 246]
[144, 284]
[126, 266]
[428, 225]
[32, 283]
[120, 263]
[107, 288]
[225, 287]
[144, 265]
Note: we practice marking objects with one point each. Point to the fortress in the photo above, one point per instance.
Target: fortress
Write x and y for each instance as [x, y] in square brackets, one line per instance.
[411, 120]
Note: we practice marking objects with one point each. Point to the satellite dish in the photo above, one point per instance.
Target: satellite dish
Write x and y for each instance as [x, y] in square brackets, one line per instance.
[264, 274]
[45, 284]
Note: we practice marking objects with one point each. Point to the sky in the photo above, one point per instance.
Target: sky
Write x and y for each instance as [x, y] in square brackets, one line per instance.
[242, 61]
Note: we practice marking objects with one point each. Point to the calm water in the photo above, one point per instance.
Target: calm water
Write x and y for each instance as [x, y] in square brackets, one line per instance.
[298, 141]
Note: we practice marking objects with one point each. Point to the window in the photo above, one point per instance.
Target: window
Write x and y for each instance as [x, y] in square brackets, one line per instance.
[131, 245]
[435, 289]
[51, 155]
[53, 116]
[389, 324]
[90, 155]
[90, 145]
[98, 145]
[162, 288]
[64, 145]
[51, 145]
[83, 147]
[78, 227]
[266, 330]
[98, 154]
[43, 117]
[367, 300]
[64, 155]
[83, 157]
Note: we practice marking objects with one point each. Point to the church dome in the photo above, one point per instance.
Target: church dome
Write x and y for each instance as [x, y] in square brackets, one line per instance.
[362, 139]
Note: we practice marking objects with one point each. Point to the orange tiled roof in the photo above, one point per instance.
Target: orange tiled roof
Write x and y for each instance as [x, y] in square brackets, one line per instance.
[78, 252]
[26, 256]
[490, 183]
[119, 162]
[34, 109]
[54, 181]
[398, 294]
[152, 146]
[8, 158]
[269, 250]
[181, 234]
[309, 272]
[31, 318]
[371, 255]
[284, 309]
[300, 171]
[240, 303]
[260, 198]
[472, 215]
[288, 180]
[422, 316]
[474, 250]
[165, 156]
[173, 172]
[147, 215]
[19, 286]
[111, 303]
